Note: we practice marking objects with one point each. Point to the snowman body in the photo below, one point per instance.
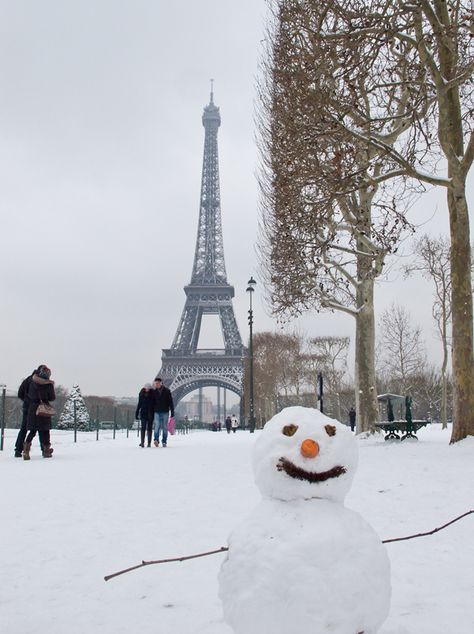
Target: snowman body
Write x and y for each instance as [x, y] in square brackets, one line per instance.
[302, 562]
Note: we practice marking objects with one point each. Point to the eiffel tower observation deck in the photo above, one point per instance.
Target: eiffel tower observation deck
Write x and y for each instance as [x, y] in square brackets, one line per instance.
[185, 367]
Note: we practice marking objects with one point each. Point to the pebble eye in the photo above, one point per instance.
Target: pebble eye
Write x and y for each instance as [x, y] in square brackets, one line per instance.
[289, 430]
[330, 430]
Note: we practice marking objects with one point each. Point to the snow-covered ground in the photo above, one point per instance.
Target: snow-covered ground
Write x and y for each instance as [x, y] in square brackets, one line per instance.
[98, 507]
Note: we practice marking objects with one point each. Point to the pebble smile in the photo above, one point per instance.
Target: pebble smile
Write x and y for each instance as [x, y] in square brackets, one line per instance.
[300, 474]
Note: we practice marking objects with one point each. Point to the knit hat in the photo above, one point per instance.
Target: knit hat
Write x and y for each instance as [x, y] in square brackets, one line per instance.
[148, 386]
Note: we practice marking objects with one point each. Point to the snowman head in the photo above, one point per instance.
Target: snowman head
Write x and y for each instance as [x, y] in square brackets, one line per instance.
[304, 454]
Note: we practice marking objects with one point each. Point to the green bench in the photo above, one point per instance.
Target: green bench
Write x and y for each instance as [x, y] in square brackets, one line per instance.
[401, 429]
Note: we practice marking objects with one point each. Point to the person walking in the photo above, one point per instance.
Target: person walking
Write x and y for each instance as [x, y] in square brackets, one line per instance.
[234, 423]
[352, 418]
[23, 396]
[163, 407]
[144, 413]
[228, 424]
[40, 391]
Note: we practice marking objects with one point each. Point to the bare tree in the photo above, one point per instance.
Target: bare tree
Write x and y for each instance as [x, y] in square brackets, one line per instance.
[423, 52]
[438, 35]
[432, 260]
[425, 389]
[276, 355]
[331, 353]
[332, 212]
[401, 92]
[286, 367]
[428, 394]
[403, 356]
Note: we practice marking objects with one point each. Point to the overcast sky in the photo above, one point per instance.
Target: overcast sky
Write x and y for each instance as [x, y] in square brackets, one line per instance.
[100, 168]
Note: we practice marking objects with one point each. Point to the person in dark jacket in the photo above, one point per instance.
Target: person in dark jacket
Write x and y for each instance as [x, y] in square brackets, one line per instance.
[40, 389]
[228, 424]
[145, 413]
[162, 408]
[352, 418]
[23, 396]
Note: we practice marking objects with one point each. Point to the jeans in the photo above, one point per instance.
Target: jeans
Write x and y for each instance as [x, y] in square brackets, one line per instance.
[161, 424]
[146, 428]
[20, 441]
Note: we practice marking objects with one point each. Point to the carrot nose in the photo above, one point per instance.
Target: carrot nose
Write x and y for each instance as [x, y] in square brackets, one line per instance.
[309, 448]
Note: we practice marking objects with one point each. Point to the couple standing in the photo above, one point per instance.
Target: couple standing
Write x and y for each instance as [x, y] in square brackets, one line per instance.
[36, 392]
[155, 405]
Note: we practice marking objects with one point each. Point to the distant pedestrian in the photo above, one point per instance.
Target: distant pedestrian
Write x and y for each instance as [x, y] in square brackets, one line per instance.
[23, 396]
[228, 424]
[234, 423]
[145, 413]
[352, 418]
[40, 391]
[163, 407]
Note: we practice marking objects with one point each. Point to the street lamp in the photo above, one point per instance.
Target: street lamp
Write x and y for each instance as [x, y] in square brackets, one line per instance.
[2, 432]
[250, 289]
[320, 391]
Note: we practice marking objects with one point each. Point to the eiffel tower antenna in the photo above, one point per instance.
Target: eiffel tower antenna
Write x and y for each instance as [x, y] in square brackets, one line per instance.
[185, 367]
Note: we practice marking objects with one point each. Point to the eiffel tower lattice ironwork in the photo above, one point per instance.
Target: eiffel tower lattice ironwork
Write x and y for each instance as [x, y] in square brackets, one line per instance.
[186, 368]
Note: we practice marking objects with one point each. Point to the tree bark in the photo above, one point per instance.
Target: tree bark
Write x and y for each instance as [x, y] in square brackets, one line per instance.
[366, 393]
[462, 314]
[444, 378]
[450, 132]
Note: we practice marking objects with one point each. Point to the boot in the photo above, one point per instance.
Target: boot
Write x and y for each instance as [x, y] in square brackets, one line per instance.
[142, 438]
[149, 433]
[47, 451]
[26, 450]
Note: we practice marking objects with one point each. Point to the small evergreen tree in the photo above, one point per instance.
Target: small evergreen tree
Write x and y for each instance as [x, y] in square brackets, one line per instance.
[66, 420]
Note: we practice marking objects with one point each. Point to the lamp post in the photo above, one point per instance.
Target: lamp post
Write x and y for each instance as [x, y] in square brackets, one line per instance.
[250, 289]
[2, 432]
[320, 394]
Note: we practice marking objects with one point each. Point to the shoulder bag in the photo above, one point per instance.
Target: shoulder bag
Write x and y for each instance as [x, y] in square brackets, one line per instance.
[45, 409]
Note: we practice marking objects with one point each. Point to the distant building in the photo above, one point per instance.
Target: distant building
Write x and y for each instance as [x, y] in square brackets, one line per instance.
[191, 409]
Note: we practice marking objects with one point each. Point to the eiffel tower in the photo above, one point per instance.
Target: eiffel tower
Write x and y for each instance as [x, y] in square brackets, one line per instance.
[185, 367]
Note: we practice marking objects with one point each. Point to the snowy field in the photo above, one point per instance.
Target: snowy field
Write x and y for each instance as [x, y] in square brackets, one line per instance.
[98, 507]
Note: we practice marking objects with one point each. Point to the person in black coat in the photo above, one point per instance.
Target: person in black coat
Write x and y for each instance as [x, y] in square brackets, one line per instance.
[352, 418]
[163, 407]
[145, 413]
[40, 389]
[23, 396]
[228, 424]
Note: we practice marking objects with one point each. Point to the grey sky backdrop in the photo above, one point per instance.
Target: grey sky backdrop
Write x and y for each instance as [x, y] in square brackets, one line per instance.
[100, 165]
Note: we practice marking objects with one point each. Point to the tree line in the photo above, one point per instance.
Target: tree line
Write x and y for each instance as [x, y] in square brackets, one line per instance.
[100, 408]
[287, 367]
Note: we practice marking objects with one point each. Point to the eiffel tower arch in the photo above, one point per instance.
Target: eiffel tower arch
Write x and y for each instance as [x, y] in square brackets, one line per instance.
[185, 367]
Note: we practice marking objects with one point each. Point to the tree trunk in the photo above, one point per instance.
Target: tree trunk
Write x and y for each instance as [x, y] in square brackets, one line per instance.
[444, 401]
[462, 314]
[366, 393]
[450, 132]
[444, 379]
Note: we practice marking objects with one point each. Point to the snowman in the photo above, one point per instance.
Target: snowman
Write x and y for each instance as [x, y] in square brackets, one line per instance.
[302, 563]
